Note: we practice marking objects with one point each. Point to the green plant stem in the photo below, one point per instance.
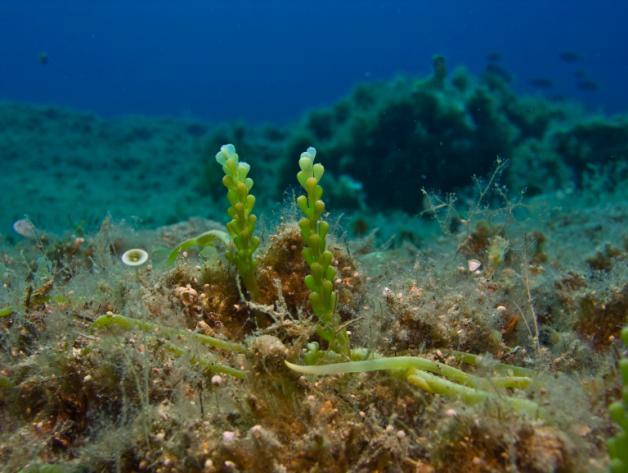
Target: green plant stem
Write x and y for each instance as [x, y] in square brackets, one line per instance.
[476, 360]
[128, 323]
[422, 372]
[209, 238]
[205, 364]
[404, 363]
[434, 384]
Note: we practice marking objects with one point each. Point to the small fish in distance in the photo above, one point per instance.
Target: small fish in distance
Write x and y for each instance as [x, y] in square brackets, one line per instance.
[570, 56]
[494, 57]
[540, 83]
[498, 71]
[588, 85]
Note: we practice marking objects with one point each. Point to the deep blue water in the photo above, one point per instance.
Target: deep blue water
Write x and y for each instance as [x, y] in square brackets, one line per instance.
[269, 60]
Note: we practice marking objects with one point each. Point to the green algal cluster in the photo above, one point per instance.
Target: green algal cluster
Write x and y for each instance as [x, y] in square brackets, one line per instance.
[432, 377]
[618, 445]
[314, 231]
[242, 224]
[436, 378]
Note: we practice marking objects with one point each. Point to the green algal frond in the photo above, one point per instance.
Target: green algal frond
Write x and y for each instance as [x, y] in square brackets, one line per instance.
[243, 221]
[314, 231]
[618, 445]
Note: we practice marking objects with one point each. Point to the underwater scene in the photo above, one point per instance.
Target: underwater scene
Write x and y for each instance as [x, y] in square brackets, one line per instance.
[327, 237]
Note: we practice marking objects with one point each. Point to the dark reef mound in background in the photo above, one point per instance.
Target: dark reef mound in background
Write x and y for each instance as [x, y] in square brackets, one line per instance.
[389, 139]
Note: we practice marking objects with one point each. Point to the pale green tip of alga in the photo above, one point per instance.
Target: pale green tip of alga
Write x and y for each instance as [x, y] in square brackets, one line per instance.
[6, 311]
[5, 382]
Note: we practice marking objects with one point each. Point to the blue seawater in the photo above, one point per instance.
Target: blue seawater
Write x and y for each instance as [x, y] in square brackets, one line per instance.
[270, 60]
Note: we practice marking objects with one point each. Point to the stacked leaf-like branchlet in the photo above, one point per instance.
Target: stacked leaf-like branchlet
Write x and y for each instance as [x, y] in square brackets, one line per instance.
[242, 224]
[314, 230]
[618, 445]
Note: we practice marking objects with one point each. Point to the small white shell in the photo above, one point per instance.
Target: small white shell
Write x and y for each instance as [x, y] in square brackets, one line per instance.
[135, 257]
[25, 228]
[228, 436]
[474, 265]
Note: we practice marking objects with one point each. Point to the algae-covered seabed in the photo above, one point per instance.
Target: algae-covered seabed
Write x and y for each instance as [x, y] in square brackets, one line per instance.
[537, 282]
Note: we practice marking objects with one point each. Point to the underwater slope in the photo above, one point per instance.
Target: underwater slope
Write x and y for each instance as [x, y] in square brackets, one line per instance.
[381, 145]
[493, 347]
